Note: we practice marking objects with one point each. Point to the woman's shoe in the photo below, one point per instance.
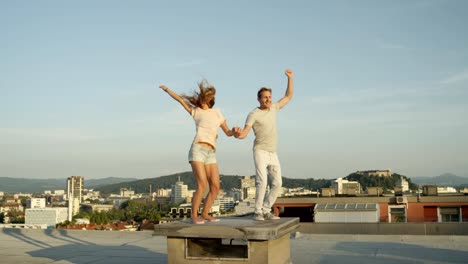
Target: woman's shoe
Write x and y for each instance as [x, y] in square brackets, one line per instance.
[198, 221]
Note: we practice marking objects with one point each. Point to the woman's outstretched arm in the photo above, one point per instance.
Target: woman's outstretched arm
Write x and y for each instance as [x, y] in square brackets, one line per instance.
[226, 129]
[177, 97]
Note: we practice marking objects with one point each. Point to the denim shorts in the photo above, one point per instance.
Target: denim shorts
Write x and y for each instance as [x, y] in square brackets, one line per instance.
[201, 153]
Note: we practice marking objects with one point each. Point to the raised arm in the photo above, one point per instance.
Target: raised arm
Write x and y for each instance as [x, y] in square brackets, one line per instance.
[289, 91]
[177, 97]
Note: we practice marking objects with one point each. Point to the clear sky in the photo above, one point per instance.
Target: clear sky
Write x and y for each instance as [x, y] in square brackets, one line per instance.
[378, 85]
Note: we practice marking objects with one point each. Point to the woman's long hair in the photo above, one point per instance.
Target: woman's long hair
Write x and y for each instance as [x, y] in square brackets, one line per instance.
[206, 95]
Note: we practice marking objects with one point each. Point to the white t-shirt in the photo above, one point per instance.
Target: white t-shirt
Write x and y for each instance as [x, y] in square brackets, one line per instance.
[263, 123]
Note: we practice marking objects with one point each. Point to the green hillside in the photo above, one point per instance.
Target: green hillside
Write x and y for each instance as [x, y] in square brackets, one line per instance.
[113, 185]
[227, 183]
[165, 182]
[387, 183]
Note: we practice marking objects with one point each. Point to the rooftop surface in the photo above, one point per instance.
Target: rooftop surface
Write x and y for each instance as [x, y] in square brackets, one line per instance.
[105, 247]
[233, 228]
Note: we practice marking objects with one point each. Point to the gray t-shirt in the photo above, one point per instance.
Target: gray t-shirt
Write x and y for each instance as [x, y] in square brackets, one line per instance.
[263, 123]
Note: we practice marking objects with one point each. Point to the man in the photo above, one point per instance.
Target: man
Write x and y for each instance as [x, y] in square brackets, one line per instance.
[268, 170]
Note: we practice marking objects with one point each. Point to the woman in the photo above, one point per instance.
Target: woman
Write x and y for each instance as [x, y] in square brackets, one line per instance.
[202, 154]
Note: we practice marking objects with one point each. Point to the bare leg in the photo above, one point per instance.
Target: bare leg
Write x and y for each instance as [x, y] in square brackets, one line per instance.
[198, 169]
[212, 176]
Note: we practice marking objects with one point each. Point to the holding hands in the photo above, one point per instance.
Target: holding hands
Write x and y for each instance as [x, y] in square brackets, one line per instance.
[236, 131]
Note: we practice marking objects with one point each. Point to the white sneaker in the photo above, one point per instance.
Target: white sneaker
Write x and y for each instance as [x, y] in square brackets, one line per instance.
[258, 217]
[270, 216]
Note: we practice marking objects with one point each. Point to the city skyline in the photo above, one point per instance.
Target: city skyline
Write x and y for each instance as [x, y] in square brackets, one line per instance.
[378, 85]
[130, 178]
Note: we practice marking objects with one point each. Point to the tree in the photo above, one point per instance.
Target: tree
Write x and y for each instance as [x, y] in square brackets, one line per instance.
[24, 200]
[152, 212]
[81, 214]
[136, 210]
[64, 223]
[16, 216]
[99, 218]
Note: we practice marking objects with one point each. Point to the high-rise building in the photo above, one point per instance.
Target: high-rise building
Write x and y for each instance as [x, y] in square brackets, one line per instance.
[179, 192]
[248, 187]
[75, 186]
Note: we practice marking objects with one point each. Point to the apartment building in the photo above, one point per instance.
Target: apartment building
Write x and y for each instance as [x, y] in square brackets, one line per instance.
[75, 185]
[48, 216]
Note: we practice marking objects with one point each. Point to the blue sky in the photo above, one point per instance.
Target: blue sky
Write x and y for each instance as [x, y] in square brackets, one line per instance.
[378, 85]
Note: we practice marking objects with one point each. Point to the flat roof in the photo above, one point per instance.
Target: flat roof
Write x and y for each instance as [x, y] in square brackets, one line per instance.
[373, 199]
[117, 247]
[230, 227]
[352, 207]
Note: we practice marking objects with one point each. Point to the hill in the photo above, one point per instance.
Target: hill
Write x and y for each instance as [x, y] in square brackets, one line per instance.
[446, 179]
[113, 184]
[387, 183]
[16, 185]
[227, 183]
[24, 185]
[93, 183]
[164, 182]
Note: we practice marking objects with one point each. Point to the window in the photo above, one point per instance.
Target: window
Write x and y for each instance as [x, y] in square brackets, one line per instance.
[449, 214]
[397, 214]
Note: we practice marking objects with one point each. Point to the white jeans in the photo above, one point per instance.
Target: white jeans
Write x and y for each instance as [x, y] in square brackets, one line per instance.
[268, 174]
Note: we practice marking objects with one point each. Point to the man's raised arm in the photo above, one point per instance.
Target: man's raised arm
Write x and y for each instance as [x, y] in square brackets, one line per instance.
[289, 90]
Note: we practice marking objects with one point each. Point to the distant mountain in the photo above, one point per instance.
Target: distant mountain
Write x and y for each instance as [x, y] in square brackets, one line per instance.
[93, 183]
[113, 184]
[24, 185]
[15, 185]
[446, 179]
[165, 182]
[227, 183]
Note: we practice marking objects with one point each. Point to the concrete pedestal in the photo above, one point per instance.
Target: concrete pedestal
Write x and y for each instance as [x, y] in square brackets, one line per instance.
[232, 240]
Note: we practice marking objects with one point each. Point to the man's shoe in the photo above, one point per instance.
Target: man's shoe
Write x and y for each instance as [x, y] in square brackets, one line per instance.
[258, 217]
[270, 216]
